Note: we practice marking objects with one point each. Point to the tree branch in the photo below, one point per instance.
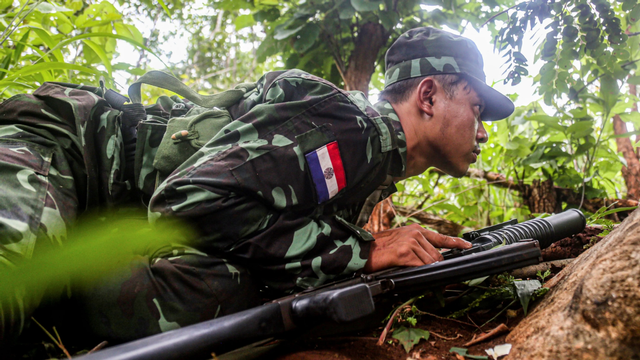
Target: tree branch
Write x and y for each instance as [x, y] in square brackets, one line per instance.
[498, 14]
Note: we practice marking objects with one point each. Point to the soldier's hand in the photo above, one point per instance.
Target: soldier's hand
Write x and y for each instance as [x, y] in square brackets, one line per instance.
[409, 246]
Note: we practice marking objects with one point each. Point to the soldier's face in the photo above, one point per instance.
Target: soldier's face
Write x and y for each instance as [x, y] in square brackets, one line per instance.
[456, 132]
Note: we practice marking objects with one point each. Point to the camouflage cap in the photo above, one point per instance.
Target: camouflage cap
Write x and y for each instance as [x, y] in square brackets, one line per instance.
[428, 51]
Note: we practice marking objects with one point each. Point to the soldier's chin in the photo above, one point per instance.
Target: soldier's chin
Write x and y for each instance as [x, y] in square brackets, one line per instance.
[457, 173]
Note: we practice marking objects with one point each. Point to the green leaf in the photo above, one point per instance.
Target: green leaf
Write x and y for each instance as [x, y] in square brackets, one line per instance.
[89, 254]
[410, 337]
[106, 60]
[129, 31]
[477, 281]
[534, 157]
[128, 68]
[464, 352]
[306, 37]
[347, 11]
[609, 91]
[634, 80]
[5, 4]
[389, 19]
[633, 118]
[547, 120]
[635, 13]
[47, 8]
[41, 67]
[512, 145]
[281, 33]
[47, 40]
[244, 21]
[20, 46]
[165, 8]
[612, 211]
[524, 290]
[366, 5]
[63, 24]
[580, 129]
[131, 41]
[269, 14]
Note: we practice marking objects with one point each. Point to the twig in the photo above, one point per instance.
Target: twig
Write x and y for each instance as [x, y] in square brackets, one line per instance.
[4, 38]
[58, 342]
[444, 318]
[444, 337]
[498, 14]
[501, 311]
[98, 347]
[473, 322]
[16, 16]
[486, 336]
[383, 336]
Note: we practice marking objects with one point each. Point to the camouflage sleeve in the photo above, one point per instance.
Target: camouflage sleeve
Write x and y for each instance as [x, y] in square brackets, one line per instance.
[257, 195]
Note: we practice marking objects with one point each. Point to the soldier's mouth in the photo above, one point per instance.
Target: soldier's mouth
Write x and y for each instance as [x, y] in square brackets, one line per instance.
[476, 153]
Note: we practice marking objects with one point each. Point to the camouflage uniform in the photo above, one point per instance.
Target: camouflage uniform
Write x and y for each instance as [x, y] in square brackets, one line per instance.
[248, 191]
[250, 194]
[60, 153]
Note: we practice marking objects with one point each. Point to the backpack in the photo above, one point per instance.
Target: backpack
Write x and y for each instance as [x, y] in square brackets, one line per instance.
[163, 143]
[117, 150]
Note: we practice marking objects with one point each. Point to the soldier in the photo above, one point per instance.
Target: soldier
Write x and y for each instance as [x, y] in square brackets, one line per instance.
[278, 196]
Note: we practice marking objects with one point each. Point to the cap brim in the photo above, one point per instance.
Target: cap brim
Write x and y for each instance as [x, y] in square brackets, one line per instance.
[496, 105]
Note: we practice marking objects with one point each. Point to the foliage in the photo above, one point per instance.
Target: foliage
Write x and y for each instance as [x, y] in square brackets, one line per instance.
[464, 352]
[507, 290]
[69, 41]
[217, 37]
[544, 275]
[569, 138]
[89, 254]
[319, 36]
[598, 218]
[410, 337]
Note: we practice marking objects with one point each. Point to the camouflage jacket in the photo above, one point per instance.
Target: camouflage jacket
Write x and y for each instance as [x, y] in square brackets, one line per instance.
[279, 188]
[77, 120]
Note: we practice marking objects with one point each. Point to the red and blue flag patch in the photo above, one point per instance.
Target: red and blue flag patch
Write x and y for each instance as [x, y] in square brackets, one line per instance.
[327, 171]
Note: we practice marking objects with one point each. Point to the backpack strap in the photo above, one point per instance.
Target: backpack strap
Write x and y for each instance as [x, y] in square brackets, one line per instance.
[169, 82]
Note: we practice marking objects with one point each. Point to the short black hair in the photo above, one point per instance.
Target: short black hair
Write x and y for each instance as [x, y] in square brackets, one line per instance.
[400, 91]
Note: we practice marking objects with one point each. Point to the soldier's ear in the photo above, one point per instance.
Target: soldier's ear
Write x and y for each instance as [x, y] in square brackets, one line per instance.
[425, 95]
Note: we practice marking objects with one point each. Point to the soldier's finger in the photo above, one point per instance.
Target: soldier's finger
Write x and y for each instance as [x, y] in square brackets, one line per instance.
[444, 241]
[424, 243]
[425, 256]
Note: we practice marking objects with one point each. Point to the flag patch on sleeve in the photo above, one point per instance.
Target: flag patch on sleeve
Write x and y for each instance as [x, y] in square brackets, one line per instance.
[327, 171]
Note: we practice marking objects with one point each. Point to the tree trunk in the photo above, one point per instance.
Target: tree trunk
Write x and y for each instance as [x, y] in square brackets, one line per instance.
[443, 226]
[631, 172]
[370, 39]
[381, 217]
[593, 308]
[541, 197]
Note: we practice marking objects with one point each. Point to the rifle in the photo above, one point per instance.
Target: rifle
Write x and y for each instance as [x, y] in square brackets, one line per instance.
[352, 299]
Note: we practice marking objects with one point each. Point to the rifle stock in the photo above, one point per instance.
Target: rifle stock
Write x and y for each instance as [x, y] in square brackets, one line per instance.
[352, 299]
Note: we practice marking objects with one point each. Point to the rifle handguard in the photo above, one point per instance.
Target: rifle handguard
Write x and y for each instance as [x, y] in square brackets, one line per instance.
[340, 305]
